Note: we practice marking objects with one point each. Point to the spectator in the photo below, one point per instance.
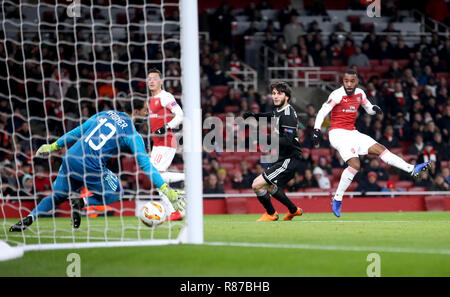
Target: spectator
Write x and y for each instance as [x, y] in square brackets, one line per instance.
[27, 186]
[444, 123]
[418, 145]
[428, 153]
[324, 165]
[211, 186]
[374, 166]
[437, 65]
[429, 131]
[369, 184]
[384, 52]
[223, 181]
[322, 180]
[394, 71]
[401, 51]
[292, 31]
[306, 59]
[218, 77]
[390, 28]
[247, 174]
[238, 181]
[308, 181]
[424, 180]
[446, 174]
[358, 58]
[295, 184]
[348, 49]
[439, 184]
[390, 187]
[401, 128]
[251, 96]
[424, 77]
[7, 189]
[389, 140]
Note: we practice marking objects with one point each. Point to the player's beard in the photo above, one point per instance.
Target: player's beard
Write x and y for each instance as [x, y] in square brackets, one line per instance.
[281, 104]
[349, 93]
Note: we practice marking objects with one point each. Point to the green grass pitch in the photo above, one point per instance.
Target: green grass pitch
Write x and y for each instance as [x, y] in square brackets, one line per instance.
[408, 244]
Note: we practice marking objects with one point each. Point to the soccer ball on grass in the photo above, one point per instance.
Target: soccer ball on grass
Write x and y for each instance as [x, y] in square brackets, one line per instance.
[153, 214]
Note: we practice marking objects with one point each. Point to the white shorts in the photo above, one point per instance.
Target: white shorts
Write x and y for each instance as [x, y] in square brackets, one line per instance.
[161, 157]
[350, 143]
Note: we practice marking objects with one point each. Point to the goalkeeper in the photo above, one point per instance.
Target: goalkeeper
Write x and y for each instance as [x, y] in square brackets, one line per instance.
[101, 137]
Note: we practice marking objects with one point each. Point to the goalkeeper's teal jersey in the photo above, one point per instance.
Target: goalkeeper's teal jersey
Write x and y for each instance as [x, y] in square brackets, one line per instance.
[100, 138]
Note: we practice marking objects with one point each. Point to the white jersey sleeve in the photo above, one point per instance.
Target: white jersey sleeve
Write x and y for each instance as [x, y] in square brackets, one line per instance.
[168, 101]
[365, 103]
[333, 99]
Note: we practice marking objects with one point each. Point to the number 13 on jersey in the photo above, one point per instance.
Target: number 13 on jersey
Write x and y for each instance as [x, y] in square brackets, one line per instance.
[104, 138]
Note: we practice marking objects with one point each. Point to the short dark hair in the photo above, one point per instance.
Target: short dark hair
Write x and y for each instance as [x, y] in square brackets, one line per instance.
[154, 70]
[351, 72]
[282, 87]
[129, 104]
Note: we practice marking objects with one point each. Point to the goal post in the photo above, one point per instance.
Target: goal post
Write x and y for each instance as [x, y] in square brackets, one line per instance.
[193, 125]
[107, 44]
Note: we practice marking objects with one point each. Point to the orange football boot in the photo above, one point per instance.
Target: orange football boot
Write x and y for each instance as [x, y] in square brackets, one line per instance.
[289, 216]
[267, 217]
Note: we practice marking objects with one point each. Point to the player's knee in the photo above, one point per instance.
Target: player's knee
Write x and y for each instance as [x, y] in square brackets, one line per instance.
[256, 185]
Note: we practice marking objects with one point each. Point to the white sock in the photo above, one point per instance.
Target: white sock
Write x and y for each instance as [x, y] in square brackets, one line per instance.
[394, 160]
[172, 177]
[346, 179]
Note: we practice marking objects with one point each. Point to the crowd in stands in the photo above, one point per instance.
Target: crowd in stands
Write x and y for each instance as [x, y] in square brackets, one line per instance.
[413, 96]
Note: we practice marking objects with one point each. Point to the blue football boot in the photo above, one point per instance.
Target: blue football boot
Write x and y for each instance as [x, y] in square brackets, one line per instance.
[418, 168]
[336, 207]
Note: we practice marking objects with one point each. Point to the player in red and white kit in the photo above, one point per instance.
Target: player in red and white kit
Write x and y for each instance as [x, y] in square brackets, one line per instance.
[343, 103]
[165, 114]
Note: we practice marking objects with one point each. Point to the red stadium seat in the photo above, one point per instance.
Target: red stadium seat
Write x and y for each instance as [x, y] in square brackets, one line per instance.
[374, 63]
[382, 183]
[247, 191]
[367, 27]
[445, 164]
[386, 62]
[232, 191]
[417, 189]
[404, 184]
[220, 91]
[394, 177]
[403, 63]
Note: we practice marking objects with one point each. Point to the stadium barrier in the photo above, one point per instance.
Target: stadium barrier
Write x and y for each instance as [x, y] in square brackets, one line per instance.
[247, 203]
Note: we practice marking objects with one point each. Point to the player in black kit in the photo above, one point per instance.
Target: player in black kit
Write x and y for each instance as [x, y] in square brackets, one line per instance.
[275, 178]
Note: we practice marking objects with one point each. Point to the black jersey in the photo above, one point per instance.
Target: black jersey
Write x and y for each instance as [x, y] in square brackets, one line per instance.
[286, 129]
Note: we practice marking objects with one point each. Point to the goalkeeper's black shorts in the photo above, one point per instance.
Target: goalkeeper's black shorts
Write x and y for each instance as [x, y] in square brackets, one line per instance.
[281, 172]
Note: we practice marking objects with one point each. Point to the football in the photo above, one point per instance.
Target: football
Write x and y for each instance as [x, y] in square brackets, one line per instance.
[153, 214]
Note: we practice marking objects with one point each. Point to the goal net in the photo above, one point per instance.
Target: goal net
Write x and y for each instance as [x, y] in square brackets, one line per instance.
[62, 62]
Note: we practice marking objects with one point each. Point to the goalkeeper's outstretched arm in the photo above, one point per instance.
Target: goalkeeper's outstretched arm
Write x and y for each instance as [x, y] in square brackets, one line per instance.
[67, 139]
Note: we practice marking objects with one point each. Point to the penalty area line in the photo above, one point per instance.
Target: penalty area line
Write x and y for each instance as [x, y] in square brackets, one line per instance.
[333, 248]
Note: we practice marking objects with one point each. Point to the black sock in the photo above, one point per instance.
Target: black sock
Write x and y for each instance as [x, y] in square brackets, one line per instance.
[264, 198]
[281, 196]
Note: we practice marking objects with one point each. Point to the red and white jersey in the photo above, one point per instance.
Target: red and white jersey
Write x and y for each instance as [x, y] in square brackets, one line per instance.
[160, 113]
[343, 114]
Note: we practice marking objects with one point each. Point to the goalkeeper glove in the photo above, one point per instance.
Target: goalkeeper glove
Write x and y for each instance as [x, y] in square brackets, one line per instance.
[46, 149]
[177, 201]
